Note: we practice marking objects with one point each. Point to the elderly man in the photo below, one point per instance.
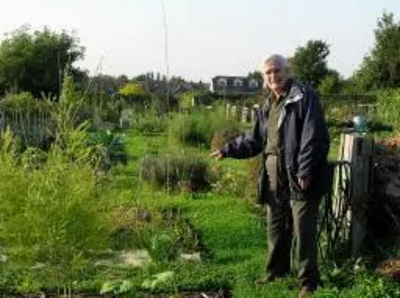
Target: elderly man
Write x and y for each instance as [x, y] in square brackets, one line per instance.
[291, 134]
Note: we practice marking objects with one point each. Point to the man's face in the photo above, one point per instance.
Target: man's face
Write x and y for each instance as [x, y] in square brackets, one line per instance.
[275, 76]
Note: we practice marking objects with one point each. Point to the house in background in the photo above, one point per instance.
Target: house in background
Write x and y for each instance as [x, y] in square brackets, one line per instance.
[232, 85]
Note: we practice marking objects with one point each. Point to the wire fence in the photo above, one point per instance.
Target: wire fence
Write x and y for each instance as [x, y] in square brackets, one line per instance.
[334, 227]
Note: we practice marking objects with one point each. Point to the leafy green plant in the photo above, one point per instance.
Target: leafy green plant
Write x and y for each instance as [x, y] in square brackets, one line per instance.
[155, 280]
[127, 288]
[119, 287]
[111, 146]
[163, 246]
[163, 233]
[371, 286]
[240, 184]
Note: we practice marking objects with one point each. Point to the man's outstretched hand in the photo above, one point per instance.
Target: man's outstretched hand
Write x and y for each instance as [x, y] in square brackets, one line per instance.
[217, 155]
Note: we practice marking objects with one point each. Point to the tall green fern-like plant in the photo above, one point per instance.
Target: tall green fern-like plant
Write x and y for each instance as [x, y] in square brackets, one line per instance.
[53, 214]
[71, 132]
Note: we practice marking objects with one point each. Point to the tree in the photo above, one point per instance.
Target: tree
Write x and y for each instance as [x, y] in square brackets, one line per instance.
[135, 93]
[257, 75]
[351, 87]
[309, 63]
[381, 68]
[332, 83]
[106, 84]
[188, 98]
[133, 90]
[35, 62]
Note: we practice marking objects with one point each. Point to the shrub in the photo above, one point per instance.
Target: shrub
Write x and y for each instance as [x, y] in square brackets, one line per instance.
[220, 138]
[51, 214]
[199, 127]
[50, 203]
[171, 235]
[24, 103]
[388, 103]
[163, 233]
[240, 184]
[150, 123]
[191, 129]
[189, 173]
[109, 112]
[370, 286]
[27, 117]
[164, 246]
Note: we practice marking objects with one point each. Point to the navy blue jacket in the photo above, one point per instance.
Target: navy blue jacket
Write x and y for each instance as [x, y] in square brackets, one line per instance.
[303, 143]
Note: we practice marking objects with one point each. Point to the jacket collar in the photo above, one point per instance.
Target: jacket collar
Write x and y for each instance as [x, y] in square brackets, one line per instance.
[295, 95]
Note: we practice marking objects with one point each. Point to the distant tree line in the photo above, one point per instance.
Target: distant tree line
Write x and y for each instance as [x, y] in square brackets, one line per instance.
[380, 68]
[36, 61]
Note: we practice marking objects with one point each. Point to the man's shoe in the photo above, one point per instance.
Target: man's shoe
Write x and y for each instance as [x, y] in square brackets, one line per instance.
[264, 280]
[306, 292]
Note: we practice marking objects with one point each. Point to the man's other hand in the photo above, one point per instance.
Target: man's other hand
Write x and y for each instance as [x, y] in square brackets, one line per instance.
[304, 183]
[217, 155]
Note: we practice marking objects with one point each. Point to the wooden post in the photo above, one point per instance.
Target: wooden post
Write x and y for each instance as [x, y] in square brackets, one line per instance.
[234, 112]
[358, 151]
[228, 110]
[340, 199]
[245, 114]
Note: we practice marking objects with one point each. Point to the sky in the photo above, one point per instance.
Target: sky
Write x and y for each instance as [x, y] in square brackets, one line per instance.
[199, 39]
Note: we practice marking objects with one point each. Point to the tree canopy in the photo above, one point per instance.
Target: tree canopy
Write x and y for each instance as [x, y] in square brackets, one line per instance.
[381, 67]
[36, 61]
[309, 63]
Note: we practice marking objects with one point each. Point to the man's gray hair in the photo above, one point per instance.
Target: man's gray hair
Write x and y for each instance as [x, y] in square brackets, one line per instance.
[276, 59]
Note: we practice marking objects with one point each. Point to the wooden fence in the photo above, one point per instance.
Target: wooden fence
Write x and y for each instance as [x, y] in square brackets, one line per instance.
[345, 206]
[31, 128]
[333, 110]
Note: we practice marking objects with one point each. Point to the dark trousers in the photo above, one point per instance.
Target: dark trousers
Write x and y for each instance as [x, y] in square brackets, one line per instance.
[288, 218]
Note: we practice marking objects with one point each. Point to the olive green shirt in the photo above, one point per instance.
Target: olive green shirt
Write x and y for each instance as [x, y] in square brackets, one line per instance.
[276, 106]
[274, 111]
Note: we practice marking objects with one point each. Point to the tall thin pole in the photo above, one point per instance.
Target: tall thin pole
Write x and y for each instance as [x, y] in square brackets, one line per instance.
[166, 48]
[167, 87]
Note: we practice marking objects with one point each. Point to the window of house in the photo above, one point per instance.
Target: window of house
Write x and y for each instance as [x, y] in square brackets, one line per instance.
[253, 83]
[222, 82]
[238, 83]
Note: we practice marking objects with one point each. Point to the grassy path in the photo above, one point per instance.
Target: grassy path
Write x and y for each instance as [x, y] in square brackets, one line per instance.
[232, 233]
